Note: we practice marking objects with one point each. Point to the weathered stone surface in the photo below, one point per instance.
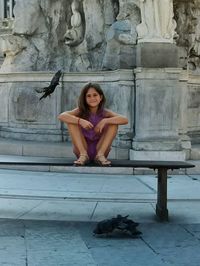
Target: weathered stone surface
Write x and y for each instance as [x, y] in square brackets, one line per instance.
[121, 38]
[161, 55]
[25, 117]
[92, 35]
[193, 112]
[188, 38]
[157, 112]
[67, 35]
[158, 100]
[42, 31]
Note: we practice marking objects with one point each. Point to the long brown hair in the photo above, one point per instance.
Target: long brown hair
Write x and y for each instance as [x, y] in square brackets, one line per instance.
[82, 104]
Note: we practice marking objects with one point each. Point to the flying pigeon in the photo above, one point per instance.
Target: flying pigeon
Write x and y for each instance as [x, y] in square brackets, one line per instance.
[50, 89]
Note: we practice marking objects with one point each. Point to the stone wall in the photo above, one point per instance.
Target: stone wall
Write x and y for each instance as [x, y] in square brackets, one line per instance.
[23, 116]
[145, 54]
[157, 114]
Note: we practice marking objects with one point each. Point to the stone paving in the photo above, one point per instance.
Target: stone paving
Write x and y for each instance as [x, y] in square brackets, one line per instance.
[51, 230]
[53, 243]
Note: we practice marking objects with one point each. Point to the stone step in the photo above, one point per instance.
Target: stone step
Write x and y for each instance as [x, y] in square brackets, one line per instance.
[32, 148]
[48, 149]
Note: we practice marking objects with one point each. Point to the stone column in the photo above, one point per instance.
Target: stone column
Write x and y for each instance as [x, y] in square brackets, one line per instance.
[157, 115]
[157, 88]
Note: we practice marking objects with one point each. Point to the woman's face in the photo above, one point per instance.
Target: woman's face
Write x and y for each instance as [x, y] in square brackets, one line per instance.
[93, 98]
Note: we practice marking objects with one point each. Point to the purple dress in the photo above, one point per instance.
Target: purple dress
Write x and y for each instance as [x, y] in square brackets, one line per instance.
[91, 136]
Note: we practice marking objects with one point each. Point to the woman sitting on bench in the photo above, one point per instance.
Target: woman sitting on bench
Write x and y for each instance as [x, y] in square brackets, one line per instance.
[92, 128]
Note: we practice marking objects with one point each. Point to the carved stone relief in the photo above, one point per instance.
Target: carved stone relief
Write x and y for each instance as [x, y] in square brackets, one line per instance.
[74, 35]
[187, 15]
[157, 23]
[36, 25]
[121, 37]
[130, 13]
[69, 35]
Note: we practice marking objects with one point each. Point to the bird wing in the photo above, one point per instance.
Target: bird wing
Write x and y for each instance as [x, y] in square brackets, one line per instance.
[50, 89]
[56, 77]
[41, 90]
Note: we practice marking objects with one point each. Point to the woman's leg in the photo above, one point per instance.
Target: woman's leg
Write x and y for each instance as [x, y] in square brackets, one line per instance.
[78, 140]
[105, 142]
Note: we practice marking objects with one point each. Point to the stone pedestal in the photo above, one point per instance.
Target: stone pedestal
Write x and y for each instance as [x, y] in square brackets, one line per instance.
[157, 119]
[156, 55]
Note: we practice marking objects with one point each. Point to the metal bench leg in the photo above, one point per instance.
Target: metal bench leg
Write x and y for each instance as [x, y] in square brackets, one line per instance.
[161, 206]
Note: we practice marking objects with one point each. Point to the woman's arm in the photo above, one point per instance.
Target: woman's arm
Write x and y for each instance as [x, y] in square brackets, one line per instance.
[114, 118]
[70, 117]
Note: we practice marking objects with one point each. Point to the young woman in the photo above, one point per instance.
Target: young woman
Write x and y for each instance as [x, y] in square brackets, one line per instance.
[92, 128]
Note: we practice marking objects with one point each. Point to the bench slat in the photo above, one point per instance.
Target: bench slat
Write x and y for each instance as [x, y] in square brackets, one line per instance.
[29, 160]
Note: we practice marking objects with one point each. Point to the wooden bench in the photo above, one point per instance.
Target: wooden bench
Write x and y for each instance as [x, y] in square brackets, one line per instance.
[161, 166]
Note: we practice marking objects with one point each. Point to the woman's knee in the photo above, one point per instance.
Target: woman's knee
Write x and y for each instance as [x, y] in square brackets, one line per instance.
[72, 126]
[112, 128]
[115, 127]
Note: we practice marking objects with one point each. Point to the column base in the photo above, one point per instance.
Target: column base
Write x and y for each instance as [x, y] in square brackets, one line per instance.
[158, 55]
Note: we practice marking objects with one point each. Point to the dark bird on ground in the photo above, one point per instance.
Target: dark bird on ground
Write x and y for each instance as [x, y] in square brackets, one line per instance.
[50, 89]
[119, 223]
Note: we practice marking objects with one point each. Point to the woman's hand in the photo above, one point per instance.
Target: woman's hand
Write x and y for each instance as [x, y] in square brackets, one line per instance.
[85, 124]
[100, 126]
